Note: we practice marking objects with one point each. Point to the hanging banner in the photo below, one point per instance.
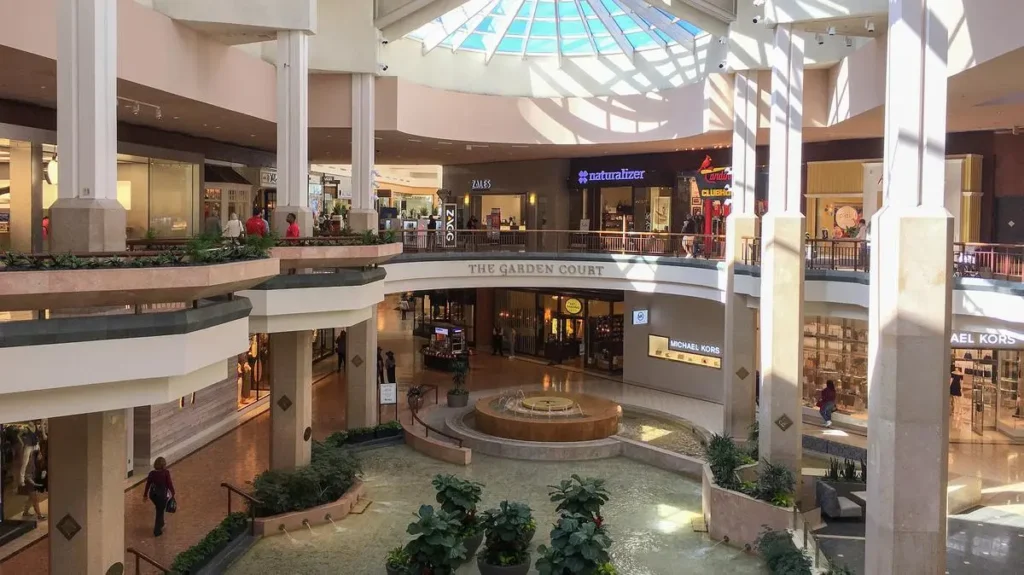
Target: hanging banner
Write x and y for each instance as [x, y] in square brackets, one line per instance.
[449, 220]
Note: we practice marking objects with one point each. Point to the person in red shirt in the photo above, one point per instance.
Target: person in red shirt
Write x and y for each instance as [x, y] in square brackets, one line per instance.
[293, 228]
[255, 225]
[827, 403]
[159, 489]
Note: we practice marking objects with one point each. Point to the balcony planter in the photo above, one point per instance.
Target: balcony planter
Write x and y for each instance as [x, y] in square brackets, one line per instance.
[338, 256]
[361, 434]
[78, 288]
[384, 431]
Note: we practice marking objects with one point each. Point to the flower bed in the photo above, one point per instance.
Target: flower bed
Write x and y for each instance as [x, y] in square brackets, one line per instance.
[332, 471]
[364, 434]
[194, 558]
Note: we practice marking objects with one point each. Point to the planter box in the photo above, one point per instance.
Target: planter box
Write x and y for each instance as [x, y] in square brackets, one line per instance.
[301, 257]
[266, 526]
[740, 517]
[56, 289]
[361, 437]
[385, 433]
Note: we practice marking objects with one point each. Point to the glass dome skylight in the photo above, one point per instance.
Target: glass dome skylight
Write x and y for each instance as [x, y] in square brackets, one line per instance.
[555, 28]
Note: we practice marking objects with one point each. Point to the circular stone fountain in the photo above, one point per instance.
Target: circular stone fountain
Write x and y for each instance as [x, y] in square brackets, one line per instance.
[548, 417]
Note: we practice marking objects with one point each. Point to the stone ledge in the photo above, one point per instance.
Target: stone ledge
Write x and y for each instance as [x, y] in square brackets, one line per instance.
[530, 450]
[357, 256]
[661, 458]
[267, 526]
[437, 449]
[340, 278]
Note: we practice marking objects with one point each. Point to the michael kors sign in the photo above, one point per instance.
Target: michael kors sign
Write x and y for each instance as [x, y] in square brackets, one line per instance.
[981, 340]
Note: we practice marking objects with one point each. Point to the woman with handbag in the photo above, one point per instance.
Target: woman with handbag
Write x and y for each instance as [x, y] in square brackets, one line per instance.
[160, 490]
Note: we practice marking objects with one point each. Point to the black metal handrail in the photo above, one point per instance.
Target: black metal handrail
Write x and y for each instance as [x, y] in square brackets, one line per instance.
[253, 502]
[416, 419]
[140, 557]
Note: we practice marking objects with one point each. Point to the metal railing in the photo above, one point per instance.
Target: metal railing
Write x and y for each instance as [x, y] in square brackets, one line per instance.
[809, 543]
[252, 501]
[141, 557]
[842, 254]
[427, 428]
[562, 241]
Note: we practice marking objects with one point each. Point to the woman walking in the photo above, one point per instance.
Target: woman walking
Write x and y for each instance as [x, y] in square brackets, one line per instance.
[827, 403]
[159, 489]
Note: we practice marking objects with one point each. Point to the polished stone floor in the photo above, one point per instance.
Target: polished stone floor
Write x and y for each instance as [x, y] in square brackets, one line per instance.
[648, 516]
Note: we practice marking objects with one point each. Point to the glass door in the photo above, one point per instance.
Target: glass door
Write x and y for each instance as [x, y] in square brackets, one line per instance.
[979, 384]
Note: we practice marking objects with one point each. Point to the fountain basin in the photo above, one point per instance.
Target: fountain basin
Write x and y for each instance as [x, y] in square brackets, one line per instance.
[548, 417]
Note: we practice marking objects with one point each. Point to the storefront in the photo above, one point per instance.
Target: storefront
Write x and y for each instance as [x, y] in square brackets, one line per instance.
[21, 444]
[623, 199]
[253, 366]
[225, 192]
[992, 384]
[511, 196]
[836, 349]
[581, 328]
[456, 307]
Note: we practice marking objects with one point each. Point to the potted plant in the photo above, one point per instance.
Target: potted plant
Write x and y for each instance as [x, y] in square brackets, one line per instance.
[397, 562]
[415, 398]
[577, 496]
[459, 498]
[437, 548]
[508, 530]
[579, 545]
[459, 395]
[389, 429]
[360, 434]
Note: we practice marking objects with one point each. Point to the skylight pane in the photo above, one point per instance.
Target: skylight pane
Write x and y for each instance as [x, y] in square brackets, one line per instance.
[641, 40]
[543, 28]
[689, 27]
[511, 45]
[663, 36]
[486, 25]
[588, 10]
[540, 46]
[607, 45]
[474, 42]
[576, 46]
[573, 28]
[546, 9]
[568, 10]
[524, 11]
[627, 24]
[612, 7]
[518, 27]
[596, 26]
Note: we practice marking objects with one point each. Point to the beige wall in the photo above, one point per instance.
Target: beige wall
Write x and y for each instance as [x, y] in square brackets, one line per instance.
[546, 178]
[676, 317]
[138, 176]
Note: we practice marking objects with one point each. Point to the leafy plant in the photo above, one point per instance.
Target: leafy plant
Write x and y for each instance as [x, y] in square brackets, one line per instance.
[849, 470]
[781, 554]
[834, 569]
[863, 471]
[507, 529]
[331, 472]
[437, 548]
[753, 441]
[459, 371]
[724, 458]
[775, 484]
[579, 545]
[833, 470]
[459, 497]
[193, 558]
[607, 569]
[150, 234]
[398, 560]
[576, 496]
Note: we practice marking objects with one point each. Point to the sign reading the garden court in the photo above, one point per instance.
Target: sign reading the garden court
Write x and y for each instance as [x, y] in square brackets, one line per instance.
[520, 269]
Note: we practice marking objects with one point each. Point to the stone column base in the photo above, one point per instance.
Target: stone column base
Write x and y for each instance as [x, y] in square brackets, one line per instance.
[303, 217]
[362, 220]
[84, 225]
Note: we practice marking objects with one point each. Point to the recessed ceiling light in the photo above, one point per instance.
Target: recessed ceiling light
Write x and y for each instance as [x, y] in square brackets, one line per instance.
[216, 127]
[252, 135]
[415, 141]
[175, 117]
[204, 125]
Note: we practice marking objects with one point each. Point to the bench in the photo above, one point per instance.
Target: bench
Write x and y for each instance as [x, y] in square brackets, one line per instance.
[834, 505]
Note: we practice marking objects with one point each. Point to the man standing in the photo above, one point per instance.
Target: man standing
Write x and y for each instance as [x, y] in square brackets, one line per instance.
[256, 225]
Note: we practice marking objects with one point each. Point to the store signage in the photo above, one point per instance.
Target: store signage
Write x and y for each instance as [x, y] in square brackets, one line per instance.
[441, 331]
[316, 179]
[480, 185]
[680, 345]
[268, 177]
[388, 393]
[449, 223]
[981, 340]
[623, 175]
[640, 316]
[575, 270]
[712, 182]
[573, 306]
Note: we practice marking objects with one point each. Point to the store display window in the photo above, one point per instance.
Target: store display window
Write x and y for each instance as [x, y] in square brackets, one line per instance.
[253, 371]
[837, 349]
[22, 444]
[457, 307]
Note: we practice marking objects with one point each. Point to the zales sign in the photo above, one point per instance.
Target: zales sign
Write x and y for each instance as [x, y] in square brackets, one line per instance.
[480, 185]
[971, 339]
[518, 269]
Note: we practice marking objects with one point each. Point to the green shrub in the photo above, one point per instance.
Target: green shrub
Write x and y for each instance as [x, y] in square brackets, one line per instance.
[336, 439]
[781, 554]
[398, 560]
[331, 472]
[754, 441]
[775, 484]
[459, 497]
[437, 548]
[724, 458]
[507, 529]
[394, 425]
[195, 557]
[580, 496]
[579, 546]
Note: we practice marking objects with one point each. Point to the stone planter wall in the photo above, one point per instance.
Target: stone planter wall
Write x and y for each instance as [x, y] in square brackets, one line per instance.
[357, 256]
[267, 526]
[737, 516]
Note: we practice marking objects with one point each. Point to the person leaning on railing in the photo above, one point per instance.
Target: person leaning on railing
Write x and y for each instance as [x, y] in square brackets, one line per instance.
[862, 235]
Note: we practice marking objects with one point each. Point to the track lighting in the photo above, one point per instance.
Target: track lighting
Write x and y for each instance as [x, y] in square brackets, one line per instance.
[870, 26]
[831, 30]
[849, 42]
[819, 39]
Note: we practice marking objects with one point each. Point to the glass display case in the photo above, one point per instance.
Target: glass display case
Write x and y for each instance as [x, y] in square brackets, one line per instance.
[837, 349]
[445, 347]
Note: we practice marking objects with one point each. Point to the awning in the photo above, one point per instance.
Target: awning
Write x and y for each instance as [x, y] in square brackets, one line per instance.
[214, 174]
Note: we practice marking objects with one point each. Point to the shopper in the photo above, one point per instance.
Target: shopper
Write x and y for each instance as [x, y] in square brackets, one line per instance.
[827, 403]
[497, 343]
[389, 366]
[160, 490]
[293, 227]
[862, 235]
[380, 365]
[955, 391]
[339, 348]
[234, 229]
[512, 343]
[256, 225]
[31, 484]
[403, 306]
[432, 232]
[211, 227]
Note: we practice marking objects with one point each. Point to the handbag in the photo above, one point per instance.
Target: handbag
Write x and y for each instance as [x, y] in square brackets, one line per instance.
[172, 505]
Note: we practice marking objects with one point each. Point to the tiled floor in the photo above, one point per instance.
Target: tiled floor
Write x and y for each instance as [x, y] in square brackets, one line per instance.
[239, 455]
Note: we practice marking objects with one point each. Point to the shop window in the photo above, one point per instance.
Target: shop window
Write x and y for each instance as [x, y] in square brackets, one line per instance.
[836, 349]
[172, 187]
[253, 371]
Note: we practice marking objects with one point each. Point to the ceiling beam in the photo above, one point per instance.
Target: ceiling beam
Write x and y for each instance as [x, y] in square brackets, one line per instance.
[412, 15]
[586, 27]
[529, 29]
[660, 21]
[613, 28]
[501, 24]
[451, 22]
[470, 26]
[684, 10]
[558, 38]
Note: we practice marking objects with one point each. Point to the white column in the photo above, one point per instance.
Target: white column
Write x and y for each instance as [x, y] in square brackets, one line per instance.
[293, 132]
[782, 262]
[363, 215]
[87, 216]
[738, 368]
[291, 399]
[872, 185]
[910, 306]
[361, 373]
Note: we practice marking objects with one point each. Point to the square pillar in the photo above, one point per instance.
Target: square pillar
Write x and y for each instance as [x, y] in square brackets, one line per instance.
[291, 399]
[292, 133]
[87, 216]
[26, 197]
[361, 373]
[782, 263]
[910, 306]
[738, 367]
[363, 215]
[86, 476]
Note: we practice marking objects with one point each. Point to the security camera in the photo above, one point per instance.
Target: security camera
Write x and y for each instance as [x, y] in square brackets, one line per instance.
[870, 26]
[831, 30]
[756, 19]
[721, 65]
[820, 39]
[385, 42]
[383, 67]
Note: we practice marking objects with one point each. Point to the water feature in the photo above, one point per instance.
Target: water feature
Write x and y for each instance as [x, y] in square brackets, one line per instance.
[309, 527]
[337, 529]
[289, 536]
